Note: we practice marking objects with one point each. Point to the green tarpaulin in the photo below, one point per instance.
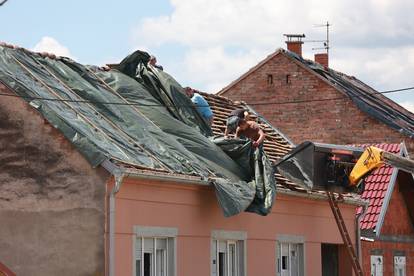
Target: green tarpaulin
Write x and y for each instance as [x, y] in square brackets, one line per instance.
[138, 114]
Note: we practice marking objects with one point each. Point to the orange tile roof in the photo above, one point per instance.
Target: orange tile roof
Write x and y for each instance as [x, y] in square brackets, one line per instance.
[376, 186]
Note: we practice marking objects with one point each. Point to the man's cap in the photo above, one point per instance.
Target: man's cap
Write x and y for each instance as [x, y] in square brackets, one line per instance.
[232, 123]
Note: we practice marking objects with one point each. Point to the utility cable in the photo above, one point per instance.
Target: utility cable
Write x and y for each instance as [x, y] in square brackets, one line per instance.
[250, 103]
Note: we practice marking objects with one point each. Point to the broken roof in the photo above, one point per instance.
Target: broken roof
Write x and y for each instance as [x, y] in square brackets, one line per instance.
[365, 97]
[143, 124]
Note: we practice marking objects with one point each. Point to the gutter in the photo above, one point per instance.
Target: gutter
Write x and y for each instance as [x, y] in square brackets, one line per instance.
[166, 177]
[118, 176]
[358, 232]
[322, 197]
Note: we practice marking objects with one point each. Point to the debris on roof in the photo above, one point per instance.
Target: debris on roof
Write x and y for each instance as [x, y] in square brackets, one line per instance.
[365, 97]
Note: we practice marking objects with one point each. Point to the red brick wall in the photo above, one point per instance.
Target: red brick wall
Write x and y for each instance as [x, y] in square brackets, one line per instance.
[397, 219]
[388, 249]
[338, 122]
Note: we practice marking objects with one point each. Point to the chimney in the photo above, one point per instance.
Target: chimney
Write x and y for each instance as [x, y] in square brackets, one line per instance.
[322, 59]
[294, 43]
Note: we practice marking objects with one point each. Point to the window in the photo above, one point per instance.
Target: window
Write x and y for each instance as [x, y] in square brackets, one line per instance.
[290, 255]
[269, 79]
[399, 265]
[289, 259]
[376, 265]
[228, 253]
[330, 259]
[154, 251]
[288, 81]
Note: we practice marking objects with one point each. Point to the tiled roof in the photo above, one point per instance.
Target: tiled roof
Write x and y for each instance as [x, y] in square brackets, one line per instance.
[376, 186]
[275, 144]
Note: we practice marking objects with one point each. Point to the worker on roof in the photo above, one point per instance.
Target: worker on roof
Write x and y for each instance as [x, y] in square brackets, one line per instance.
[153, 62]
[233, 119]
[201, 104]
[251, 130]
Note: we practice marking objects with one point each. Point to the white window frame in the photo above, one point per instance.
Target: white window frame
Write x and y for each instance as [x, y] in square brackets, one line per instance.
[154, 233]
[400, 262]
[231, 238]
[374, 270]
[290, 240]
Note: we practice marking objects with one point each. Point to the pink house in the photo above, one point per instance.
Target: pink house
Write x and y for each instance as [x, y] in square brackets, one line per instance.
[88, 187]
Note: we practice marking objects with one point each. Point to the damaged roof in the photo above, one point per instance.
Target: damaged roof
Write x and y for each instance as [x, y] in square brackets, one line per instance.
[365, 97]
[145, 123]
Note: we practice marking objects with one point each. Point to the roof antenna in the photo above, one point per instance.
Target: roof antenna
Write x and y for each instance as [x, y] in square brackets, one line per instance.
[326, 41]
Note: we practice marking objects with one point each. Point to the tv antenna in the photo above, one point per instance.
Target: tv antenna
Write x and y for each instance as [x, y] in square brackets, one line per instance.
[326, 41]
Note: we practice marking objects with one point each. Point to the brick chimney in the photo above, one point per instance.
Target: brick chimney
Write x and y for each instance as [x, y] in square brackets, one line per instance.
[322, 59]
[294, 43]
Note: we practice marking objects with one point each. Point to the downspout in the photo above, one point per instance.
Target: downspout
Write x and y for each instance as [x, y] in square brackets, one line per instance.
[358, 233]
[118, 176]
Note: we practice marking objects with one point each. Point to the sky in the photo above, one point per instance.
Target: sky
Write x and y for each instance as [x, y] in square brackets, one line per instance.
[206, 44]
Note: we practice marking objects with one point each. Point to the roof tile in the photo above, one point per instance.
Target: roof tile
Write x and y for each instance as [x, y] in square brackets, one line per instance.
[376, 186]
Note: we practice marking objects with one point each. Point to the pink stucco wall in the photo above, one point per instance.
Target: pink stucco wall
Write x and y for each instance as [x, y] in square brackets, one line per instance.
[194, 211]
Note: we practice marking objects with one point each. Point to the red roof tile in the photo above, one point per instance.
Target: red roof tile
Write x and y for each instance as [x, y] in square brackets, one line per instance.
[376, 186]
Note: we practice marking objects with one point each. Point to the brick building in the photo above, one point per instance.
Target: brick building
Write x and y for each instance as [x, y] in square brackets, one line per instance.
[299, 89]
[354, 114]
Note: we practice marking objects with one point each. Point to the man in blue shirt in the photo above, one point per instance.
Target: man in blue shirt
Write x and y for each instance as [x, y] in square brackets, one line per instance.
[201, 104]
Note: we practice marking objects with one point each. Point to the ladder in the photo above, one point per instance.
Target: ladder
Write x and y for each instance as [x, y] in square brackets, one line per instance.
[344, 233]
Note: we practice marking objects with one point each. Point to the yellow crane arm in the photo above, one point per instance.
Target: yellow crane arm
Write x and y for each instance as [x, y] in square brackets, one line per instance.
[373, 158]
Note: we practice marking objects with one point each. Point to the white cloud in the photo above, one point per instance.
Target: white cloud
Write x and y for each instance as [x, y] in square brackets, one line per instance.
[370, 39]
[51, 45]
[214, 67]
[409, 106]
[384, 68]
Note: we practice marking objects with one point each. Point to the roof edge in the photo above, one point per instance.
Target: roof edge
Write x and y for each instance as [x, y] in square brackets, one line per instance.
[323, 197]
[387, 197]
[250, 71]
[116, 170]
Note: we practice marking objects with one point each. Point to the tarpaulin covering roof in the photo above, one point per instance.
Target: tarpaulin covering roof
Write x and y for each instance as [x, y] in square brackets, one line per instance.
[135, 115]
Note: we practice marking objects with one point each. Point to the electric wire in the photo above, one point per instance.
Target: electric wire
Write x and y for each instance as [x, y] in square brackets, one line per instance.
[250, 103]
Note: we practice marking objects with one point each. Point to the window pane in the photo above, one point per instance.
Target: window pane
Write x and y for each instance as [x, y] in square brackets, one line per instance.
[138, 267]
[399, 266]
[376, 265]
[147, 264]
[284, 262]
[161, 243]
[294, 262]
[161, 264]
[149, 244]
[289, 259]
[222, 264]
[232, 259]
